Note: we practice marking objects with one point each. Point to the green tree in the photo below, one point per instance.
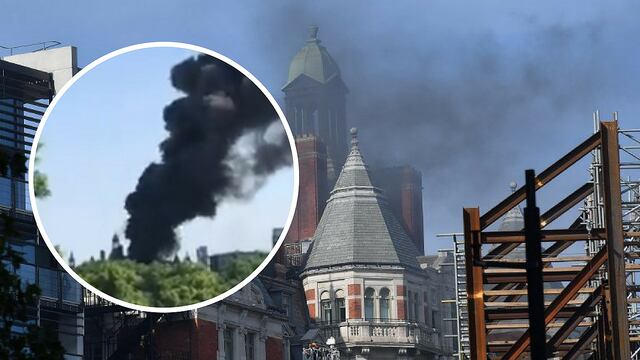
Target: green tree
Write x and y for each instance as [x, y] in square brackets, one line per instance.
[20, 339]
[239, 269]
[165, 284]
[40, 180]
[156, 284]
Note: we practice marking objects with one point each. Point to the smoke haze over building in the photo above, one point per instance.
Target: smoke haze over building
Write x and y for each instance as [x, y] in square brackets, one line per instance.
[465, 104]
[200, 164]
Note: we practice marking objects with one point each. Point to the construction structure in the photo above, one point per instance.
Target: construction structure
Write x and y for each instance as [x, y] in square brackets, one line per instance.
[595, 313]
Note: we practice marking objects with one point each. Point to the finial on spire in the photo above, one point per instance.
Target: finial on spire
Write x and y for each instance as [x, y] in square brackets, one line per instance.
[513, 185]
[313, 33]
[354, 136]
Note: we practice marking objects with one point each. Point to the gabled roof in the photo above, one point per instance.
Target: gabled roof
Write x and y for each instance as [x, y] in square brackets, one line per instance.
[358, 226]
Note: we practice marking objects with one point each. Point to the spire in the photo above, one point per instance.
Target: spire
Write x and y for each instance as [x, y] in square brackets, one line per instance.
[72, 260]
[355, 156]
[354, 139]
[358, 225]
[355, 173]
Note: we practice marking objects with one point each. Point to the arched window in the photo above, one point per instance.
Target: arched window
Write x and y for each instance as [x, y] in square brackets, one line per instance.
[341, 311]
[369, 293]
[384, 304]
[325, 307]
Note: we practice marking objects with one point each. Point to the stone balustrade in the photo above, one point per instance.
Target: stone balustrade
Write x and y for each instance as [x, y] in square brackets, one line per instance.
[390, 332]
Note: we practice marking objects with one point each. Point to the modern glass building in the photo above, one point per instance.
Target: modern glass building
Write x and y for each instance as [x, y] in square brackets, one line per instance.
[25, 94]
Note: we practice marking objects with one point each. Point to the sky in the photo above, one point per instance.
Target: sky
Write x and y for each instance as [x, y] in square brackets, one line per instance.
[470, 93]
[99, 138]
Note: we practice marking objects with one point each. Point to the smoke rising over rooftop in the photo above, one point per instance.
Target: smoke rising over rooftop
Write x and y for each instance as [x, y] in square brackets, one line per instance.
[470, 95]
[200, 166]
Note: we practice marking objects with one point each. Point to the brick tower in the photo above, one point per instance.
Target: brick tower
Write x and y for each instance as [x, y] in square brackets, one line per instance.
[315, 100]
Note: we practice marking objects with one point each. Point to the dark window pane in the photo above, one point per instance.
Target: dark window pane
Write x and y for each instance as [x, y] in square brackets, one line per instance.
[49, 283]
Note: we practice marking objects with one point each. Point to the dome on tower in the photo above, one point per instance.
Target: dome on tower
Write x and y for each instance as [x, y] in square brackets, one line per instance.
[314, 61]
[358, 226]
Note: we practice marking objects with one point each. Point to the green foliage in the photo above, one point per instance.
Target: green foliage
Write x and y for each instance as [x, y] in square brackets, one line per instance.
[41, 182]
[241, 268]
[163, 284]
[15, 300]
[41, 185]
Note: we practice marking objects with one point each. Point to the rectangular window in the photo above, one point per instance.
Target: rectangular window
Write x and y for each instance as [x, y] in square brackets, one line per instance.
[26, 251]
[325, 305]
[27, 274]
[341, 310]
[434, 318]
[49, 283]
[285, 304]
[249, 345]
[71, 290]
[228, 343]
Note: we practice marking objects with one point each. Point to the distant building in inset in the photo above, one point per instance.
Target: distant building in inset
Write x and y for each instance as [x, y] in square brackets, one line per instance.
[202, 255]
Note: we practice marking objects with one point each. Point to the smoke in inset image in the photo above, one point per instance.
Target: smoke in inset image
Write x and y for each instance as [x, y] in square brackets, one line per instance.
[184, 176]
[197, 171]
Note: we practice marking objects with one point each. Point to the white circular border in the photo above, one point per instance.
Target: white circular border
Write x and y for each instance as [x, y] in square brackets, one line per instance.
[292, 207]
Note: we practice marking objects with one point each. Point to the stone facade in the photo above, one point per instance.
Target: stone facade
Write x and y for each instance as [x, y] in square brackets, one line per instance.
[363, 283]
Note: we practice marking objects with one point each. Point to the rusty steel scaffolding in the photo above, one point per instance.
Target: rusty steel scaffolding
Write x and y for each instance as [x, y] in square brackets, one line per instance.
[591, 299]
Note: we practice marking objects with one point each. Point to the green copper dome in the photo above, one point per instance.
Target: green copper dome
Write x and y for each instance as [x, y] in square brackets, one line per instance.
[314, 61]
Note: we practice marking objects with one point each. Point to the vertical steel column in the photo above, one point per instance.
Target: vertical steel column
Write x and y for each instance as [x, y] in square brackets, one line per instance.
[612, 197]
[535, 285]
[475, 290]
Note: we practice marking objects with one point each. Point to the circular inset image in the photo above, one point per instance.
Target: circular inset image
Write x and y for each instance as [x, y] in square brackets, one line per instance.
[164, 178]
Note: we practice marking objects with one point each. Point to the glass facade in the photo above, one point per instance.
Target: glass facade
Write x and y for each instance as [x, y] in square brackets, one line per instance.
[25, 94]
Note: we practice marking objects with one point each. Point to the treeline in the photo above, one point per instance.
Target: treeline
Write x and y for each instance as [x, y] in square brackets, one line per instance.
[165, 284]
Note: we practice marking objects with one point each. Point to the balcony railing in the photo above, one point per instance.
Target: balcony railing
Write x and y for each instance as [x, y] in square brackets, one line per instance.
[381, 331]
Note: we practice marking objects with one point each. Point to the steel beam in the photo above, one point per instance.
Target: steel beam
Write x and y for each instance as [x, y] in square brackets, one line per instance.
[612, 199]
[567, 203]
[475, 286]
[572, 323]
[586, 339]
[543, 178]
[501, 237]
[560, 301]
[535, 285]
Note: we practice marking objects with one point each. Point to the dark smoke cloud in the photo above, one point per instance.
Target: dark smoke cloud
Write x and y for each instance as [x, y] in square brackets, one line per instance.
[468, 102]
[197, 170]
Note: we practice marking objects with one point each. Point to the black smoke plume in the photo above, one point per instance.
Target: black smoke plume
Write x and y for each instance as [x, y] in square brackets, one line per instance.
[197, 170]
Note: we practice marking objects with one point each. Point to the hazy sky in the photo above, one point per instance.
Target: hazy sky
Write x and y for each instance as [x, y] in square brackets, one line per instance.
[471, 93]
[100, 137]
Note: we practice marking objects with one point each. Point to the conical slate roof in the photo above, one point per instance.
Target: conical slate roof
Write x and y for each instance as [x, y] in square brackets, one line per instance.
[358, 225]
[314, 61]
